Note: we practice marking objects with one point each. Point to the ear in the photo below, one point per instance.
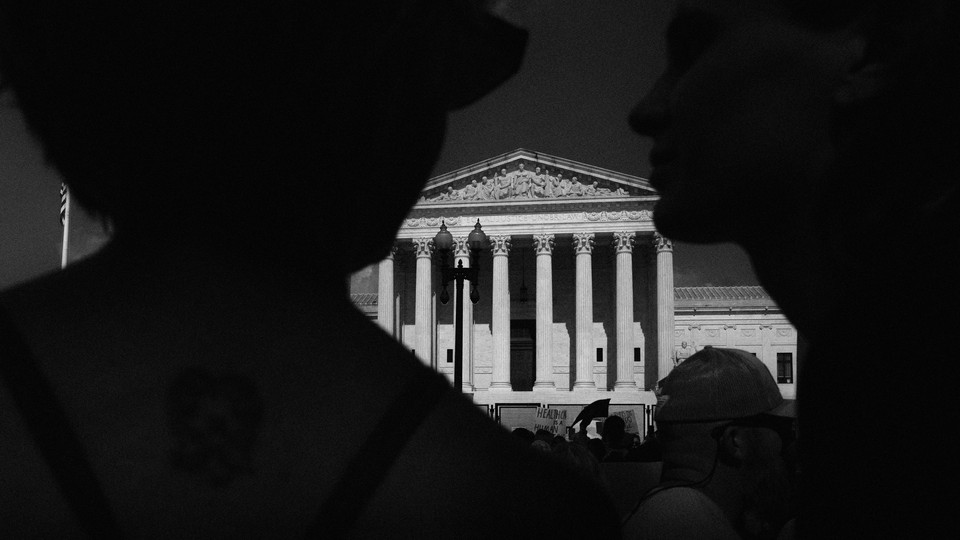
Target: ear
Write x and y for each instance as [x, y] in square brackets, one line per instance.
[735, 444]
[871, 55]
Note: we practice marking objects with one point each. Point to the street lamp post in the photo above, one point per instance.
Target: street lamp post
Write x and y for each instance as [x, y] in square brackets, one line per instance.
[443, 242]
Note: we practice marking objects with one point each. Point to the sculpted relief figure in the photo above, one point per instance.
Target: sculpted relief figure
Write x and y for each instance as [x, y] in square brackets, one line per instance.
[521, 182]
[553, 185]
[470, 191]
[524, 184]
[564, 185]
[504, 185]
[487, 188]
[538, 184]
[576, 188]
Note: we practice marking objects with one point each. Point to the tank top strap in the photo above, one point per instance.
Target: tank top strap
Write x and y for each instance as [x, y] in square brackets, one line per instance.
[371, 465]
[53, 435]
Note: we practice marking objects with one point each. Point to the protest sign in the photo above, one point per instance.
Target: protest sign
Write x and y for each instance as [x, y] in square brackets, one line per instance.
[630, 419]
[552, 420]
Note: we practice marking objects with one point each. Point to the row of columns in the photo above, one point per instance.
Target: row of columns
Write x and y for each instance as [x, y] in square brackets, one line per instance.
[500, 321]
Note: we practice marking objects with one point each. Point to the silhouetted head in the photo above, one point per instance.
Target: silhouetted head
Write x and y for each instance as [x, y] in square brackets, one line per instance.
[524, 434]
[545, 436]
[772, 109]
[597, 448]
[251, 116]
[614, 429]
[723, 426]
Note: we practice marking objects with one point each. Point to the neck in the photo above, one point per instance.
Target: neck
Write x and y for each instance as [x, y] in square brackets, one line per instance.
[717, 481]
[788, 263]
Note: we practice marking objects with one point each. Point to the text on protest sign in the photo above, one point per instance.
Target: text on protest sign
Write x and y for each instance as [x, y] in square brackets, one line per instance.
[552, 420]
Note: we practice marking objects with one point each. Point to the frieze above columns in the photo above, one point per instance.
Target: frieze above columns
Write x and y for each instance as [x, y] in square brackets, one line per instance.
[662, 242]
[500, 244]
[624, 240]
[583, 242]
[507, 219]
[543, 244]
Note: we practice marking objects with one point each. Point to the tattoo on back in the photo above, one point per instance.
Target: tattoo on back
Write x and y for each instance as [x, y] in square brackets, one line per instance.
[214, 422]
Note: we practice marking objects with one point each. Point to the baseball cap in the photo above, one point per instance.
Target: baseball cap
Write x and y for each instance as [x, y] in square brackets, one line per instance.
[720, 384]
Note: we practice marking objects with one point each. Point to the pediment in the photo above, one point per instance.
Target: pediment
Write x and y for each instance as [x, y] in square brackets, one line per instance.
[527, 176]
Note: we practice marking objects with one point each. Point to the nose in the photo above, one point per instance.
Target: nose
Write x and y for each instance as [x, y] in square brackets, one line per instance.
[650, 115]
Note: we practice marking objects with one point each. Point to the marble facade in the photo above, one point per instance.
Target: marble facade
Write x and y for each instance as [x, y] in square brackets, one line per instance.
[577, 301]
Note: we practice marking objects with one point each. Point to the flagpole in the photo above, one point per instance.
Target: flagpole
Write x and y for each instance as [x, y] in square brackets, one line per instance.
[65, 214]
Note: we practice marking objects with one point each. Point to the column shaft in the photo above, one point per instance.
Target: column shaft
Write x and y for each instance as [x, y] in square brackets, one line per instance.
[500, 380]
[583, 243]
[423, 301]
[463, 254]
[544, 249]
[624, 245]
[665, 303]
[385, 294]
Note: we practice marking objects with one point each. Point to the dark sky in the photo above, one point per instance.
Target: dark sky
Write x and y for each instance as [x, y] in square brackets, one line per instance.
[587, 63]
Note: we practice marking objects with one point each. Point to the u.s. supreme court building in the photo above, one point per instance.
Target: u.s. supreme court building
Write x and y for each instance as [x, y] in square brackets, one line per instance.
[577, 300]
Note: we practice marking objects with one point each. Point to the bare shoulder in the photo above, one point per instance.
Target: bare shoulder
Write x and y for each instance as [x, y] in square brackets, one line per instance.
[461, 468]
[193, 411]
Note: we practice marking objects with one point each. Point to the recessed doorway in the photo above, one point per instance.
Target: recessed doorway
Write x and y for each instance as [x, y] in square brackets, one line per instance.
[523, 354]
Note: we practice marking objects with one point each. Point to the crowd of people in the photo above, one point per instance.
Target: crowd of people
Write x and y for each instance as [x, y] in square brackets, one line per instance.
[819, 135]
[614, 445]
[726, 440]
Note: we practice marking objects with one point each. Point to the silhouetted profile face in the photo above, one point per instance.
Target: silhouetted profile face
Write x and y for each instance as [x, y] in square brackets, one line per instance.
[740, 117]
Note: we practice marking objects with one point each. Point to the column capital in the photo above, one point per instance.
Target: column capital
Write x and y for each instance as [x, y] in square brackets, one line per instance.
[500, 244]
[662, 242]
[460, 246]
[583, 242]
[543, 243]
[623, 241]
[392, 253]
[423, 247]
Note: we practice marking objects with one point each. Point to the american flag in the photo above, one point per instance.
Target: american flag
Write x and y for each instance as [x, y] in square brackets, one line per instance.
[63, 203]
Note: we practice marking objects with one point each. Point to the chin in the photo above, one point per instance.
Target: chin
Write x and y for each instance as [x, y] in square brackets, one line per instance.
[689, 225]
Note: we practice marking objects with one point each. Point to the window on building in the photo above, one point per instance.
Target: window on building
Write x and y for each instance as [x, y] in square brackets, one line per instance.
[636, 354]
[785, 368]
[449, 356]
[599, 354]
